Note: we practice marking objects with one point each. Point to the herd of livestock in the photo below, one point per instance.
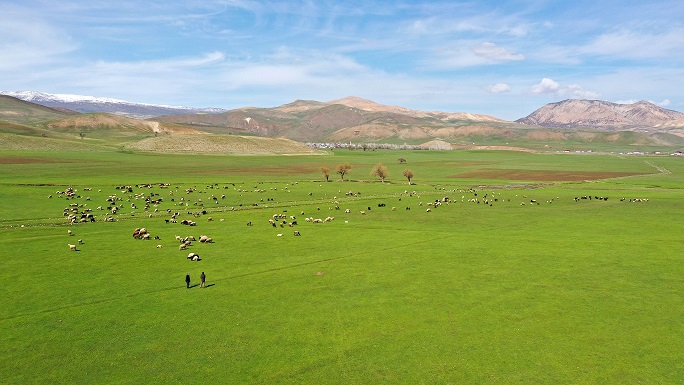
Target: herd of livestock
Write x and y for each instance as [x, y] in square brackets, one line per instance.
[186, 206]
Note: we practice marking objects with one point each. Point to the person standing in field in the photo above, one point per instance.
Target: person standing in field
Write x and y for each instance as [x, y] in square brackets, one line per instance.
[203, 278]
[187, 280]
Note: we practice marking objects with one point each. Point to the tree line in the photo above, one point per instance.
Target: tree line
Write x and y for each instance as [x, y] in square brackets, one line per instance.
[379, 171]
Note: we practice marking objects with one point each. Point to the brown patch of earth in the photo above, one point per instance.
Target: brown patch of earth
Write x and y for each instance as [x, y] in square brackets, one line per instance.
[542, 175]
[544, 135]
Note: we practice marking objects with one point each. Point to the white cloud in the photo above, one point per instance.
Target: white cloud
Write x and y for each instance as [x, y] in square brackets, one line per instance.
[628, 43]
[492, 53]
[546, 86]
[470, 54]
[499, 88]
[29, 41]
[664, 103]
[550, 87]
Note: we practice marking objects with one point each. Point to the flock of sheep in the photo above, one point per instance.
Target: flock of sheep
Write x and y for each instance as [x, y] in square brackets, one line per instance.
[145, 198]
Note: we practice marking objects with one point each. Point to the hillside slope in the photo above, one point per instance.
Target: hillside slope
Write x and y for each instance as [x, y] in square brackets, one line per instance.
[601, 114]
[21, 112]
[222, 144]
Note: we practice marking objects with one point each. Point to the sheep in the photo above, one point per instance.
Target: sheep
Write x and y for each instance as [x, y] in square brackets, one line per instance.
[182, 246]
[297, 233]
[70, 232]
[159, 246]
[72, 247]
[279, 235]
[80, 241]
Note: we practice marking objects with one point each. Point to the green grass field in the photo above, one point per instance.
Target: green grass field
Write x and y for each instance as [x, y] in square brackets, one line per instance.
[491, 288]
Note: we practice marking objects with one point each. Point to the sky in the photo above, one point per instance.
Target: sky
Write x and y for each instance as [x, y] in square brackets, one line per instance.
[500, 58]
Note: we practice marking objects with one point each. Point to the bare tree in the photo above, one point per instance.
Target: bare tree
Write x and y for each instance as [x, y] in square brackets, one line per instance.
[343, 169]
[380, 171]
[326, 173]
[408, 174]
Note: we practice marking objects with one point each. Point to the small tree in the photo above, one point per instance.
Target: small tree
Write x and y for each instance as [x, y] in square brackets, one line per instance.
[380, 171]
[326, 173]
[408, 174]
[343, 169]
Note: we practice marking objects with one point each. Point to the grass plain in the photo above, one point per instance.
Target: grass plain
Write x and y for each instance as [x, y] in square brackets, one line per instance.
[557, 291]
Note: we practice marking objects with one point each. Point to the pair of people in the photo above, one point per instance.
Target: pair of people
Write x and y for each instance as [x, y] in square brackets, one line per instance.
[203, 279]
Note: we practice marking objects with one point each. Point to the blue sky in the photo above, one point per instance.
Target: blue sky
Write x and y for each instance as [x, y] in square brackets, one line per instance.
[502, 58]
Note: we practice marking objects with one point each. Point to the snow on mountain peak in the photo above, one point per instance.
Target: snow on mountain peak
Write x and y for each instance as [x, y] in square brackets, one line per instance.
[81, 103]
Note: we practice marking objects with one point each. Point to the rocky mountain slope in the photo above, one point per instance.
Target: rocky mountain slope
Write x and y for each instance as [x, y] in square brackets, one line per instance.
[345, 119]
[602, 114]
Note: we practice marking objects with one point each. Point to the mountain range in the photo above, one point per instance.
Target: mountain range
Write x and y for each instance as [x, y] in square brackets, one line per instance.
[350, 119]
[85, 104]
[602, 114]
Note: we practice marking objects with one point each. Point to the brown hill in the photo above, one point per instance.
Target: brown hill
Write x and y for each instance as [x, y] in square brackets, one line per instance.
[600, 114]
[342, 119]
[18, 111]
[222, 144]
[104, 121]
[369, 105]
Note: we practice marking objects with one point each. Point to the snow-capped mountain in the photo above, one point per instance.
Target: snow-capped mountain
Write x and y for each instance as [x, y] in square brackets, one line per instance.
[82, 103]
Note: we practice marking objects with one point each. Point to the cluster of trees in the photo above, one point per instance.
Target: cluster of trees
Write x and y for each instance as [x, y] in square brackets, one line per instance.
[379, 171]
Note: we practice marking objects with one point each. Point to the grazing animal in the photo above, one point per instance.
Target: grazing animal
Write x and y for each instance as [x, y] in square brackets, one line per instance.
[70, 232]
[80, 241]
[297, 233]
[72, 247]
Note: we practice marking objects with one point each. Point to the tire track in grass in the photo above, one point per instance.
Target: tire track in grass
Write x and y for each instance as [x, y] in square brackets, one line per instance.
[237, 276]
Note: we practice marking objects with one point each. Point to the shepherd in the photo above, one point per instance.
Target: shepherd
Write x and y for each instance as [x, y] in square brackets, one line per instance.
[203, 278]
[187, 280]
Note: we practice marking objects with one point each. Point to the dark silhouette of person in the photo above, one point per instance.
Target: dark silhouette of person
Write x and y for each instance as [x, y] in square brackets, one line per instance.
[187, 280]
[203, 278]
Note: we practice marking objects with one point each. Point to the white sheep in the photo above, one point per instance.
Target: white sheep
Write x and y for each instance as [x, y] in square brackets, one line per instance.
[72, 247]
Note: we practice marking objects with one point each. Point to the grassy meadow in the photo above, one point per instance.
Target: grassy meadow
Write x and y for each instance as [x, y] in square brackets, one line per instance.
[512, 281]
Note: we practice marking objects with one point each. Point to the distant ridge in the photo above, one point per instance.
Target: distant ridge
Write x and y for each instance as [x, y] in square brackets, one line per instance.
[601, 114]
[84, 104]
[369, 105]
